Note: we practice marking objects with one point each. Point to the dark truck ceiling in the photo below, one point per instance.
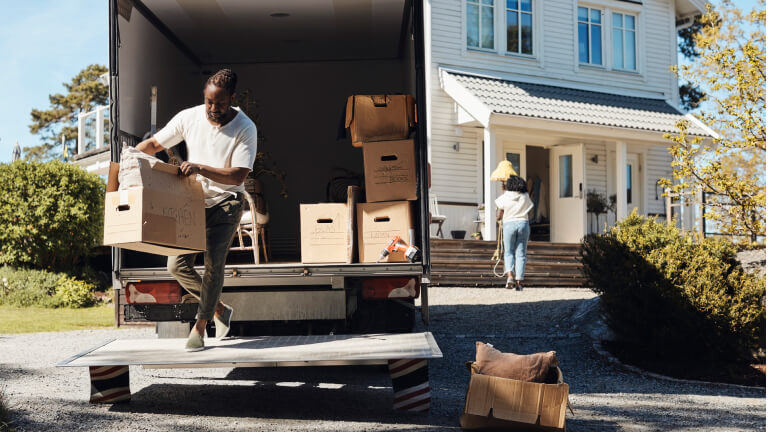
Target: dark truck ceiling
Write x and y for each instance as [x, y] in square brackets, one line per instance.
[255, 31]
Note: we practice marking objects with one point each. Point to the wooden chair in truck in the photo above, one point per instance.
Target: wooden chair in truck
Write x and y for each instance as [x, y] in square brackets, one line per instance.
[253, 225]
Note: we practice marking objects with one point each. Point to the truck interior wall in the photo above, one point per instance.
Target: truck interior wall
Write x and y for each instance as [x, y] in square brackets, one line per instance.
[299, 108]
[147, 58]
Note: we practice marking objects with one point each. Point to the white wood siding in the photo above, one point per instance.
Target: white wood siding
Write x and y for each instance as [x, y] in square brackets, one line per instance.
[456, 175]
[659, 165]
[597, 180]
[555, 62]
[457, 218]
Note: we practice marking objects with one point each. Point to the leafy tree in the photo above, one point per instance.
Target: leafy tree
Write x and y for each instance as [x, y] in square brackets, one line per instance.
[84, 93]
[731, 68]
[51, 215]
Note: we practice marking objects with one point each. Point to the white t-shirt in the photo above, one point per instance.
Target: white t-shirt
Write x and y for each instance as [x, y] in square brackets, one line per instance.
[229, 146]
[516, 206]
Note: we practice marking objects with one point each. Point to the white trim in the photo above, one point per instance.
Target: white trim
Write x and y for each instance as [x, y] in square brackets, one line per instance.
[555, 82]
[464, 98]
[568, 128]
[701, 124]
[427, 4]
[621, 180]
[489, 164]
[634, 7]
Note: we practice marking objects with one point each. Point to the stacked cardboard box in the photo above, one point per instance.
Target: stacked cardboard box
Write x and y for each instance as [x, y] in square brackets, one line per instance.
[328, 230]
[381, 125]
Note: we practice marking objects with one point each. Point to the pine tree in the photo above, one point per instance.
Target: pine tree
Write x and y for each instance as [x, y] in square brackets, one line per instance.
[84, 93]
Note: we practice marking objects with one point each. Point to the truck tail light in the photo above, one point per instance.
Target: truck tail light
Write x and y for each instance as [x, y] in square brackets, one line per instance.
[385, 288]
[166, 292]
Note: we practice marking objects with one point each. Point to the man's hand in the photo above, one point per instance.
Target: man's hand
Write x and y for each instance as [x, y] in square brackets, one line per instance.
[230, 176]
[188, 168]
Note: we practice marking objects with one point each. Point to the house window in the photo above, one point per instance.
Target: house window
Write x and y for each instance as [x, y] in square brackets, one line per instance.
[629, 184]
[480, 27]
[624, 36]
[519, 26]
[514, 159]
[590, 36]
[566, 176]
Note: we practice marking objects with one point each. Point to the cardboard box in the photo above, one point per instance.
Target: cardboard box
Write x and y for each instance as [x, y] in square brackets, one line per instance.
[328, 230]
[378, 223]
[390, 170]
[379, 117]
[507, 404]
[165, 216]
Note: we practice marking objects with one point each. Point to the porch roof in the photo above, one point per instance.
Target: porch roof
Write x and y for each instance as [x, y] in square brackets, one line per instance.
[573, 105]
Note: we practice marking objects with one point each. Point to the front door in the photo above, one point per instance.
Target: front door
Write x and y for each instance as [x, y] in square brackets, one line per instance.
[567, 193]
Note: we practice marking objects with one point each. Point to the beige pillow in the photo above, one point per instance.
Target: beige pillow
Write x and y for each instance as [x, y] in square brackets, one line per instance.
[532, 367]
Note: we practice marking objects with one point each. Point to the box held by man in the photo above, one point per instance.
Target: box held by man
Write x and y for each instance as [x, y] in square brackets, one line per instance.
[165, 215]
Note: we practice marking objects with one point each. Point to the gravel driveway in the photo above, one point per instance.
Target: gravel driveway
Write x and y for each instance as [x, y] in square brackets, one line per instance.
[604, 396]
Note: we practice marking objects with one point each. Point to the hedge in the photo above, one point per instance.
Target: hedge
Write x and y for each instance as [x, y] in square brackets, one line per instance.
[26, 287]
[673, 294]
[51, 214]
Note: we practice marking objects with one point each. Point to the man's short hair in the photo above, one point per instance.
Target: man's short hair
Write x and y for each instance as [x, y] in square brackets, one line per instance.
[517, 184]
[225, 79]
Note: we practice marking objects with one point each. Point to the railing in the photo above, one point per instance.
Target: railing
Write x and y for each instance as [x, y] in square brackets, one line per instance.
[93, 129]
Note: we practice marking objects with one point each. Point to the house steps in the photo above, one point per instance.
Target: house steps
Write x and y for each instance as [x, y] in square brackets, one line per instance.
[469, 263]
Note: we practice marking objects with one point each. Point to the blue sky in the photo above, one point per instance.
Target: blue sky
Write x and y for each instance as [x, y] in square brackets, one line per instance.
[44, 43]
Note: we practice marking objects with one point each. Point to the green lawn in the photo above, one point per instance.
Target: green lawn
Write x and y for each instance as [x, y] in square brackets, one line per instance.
[32, 320]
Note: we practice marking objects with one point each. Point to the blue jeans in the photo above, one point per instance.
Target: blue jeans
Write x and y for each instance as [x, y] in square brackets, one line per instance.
[516, 235]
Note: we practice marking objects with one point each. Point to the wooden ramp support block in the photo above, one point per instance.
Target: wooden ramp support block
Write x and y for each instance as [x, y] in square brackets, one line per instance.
[109, 384]
[410, 384]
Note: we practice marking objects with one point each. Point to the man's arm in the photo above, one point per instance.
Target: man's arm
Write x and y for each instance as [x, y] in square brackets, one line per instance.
[230, 176]
[150, 146]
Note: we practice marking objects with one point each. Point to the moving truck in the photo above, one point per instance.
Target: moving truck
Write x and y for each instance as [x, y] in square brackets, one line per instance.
[297, 63]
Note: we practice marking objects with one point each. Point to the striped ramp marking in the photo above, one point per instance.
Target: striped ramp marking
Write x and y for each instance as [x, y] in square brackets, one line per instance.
[410, 383]
[109, 384]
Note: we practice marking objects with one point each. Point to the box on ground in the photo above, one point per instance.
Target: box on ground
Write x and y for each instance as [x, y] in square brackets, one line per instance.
[378, 223]
[508, 404]
[379, 117]
[390, 170]
[328, 230]
[165, 216]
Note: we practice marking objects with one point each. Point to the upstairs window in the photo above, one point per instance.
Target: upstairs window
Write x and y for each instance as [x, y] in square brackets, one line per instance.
[590, 36]
[480, 28]
[519, 26]
[624, 41]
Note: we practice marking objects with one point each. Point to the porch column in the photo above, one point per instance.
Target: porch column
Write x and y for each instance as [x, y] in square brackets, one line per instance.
[490, 188]
[621, 180]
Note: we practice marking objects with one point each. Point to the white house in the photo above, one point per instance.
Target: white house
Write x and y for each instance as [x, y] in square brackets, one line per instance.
[567, 90]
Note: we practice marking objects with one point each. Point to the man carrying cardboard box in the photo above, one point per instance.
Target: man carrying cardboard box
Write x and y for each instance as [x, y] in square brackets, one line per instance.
[221, 147]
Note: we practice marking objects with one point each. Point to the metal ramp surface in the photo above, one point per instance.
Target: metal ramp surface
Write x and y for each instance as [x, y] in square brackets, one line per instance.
[264, 351]
[406, 355]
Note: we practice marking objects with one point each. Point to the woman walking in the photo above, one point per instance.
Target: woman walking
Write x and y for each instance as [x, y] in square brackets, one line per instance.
[514, 205]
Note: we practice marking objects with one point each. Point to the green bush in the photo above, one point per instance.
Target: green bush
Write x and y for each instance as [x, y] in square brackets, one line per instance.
[675, 295]
[25, 288]
[51, 214]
